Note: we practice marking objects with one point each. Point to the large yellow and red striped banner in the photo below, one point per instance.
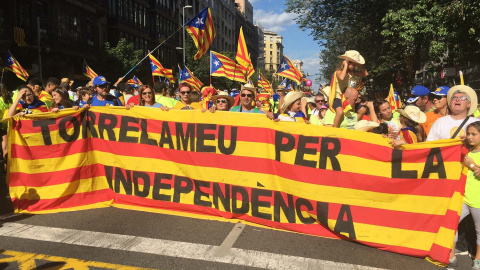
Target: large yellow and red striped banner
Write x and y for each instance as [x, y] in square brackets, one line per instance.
[316, 180]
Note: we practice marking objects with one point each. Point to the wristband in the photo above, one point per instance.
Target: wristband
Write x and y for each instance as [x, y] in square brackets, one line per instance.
[472, 166]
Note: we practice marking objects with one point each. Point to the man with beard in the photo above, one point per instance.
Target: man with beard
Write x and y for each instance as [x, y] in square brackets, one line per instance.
[101, 95]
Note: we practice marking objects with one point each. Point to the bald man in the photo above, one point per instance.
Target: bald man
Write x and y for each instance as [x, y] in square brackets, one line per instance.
[350, 116]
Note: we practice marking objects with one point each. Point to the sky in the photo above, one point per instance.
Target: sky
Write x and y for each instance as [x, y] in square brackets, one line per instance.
[298, 44]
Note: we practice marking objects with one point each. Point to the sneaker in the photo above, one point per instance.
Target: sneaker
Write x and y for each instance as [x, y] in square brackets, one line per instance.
[459, 252]
[476, 265]
[452, 262]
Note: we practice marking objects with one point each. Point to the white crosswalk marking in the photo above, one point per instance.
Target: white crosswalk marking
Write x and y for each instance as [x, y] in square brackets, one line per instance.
[169, 248]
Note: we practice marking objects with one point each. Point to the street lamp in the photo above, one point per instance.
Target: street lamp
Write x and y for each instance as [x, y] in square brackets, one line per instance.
[183, 11]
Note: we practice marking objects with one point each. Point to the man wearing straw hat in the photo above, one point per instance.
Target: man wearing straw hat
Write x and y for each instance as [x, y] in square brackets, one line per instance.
[462, 101]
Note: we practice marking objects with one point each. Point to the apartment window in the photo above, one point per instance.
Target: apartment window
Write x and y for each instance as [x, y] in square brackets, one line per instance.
[271, 46]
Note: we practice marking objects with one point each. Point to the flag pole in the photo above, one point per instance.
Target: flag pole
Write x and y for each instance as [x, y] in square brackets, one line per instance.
[210, 68]
[1, 80]
[150, 52]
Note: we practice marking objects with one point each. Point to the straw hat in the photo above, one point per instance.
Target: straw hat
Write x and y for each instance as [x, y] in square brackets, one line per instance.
[353, 56]
[290, 98]
[250, 88]
[470, 93]
[413, 113]
[224, 95]
[365, 125]
[280, 88]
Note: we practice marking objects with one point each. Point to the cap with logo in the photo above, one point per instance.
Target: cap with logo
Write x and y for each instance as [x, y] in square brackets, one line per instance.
[418, 91]
[100, 80]
[441, 91]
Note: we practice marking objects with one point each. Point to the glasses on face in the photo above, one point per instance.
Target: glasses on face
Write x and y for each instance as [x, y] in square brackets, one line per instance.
[221, 101]
[185, 92]
[146, 93]
[320, 100]
[456, 98]
[438, 97]
[29, 95]
[102, 86]
[246, 95]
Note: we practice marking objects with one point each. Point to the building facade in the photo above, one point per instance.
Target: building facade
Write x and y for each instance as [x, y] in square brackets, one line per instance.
[273, 50]
[261, 47]
[246, 8]
[59, 35]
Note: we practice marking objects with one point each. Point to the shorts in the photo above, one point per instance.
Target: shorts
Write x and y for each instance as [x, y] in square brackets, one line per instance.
[336, 103]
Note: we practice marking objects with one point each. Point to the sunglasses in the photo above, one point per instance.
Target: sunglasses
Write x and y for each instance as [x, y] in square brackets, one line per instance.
[102, 86]
[439, 97]
[146, 93]
[221, 101]
[246, 95]
[317, 101]
[185, 92]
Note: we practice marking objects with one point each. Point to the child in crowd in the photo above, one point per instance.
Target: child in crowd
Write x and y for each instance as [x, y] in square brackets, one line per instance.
[291, 109]
[412, 132]
[471, 199]
[347, 74]
[85, 94]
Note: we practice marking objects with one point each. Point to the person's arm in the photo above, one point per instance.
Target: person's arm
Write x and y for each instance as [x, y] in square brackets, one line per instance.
[13, 108]
[371, 110]
[342, 73]
[118, 81]
[360, 73]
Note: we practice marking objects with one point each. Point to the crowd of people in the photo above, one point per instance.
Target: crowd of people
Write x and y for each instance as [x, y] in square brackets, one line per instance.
[442, 113]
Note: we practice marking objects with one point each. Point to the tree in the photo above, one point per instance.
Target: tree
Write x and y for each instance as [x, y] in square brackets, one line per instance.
[116, 61]
[395, 37]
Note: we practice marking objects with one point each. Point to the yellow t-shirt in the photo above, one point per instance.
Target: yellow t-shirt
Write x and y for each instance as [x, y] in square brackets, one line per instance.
[193, 106]
[472, 187]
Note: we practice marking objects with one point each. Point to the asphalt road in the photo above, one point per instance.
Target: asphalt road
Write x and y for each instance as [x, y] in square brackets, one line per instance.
[117, 237]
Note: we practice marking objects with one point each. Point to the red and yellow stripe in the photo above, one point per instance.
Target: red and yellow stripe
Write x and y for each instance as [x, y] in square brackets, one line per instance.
[229, 69]
[416, 217]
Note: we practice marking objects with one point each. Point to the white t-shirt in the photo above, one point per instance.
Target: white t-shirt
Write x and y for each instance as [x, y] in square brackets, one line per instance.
[445, 127]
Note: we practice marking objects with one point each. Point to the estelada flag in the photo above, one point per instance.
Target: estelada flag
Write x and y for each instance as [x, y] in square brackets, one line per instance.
[263, 82]
[288, 70]
[134, 81]
[12, 64]
[187, 76]
[202, 31]
[242, 57]
[87, 71]
[391, 99]
[222, 66]
[159, 70]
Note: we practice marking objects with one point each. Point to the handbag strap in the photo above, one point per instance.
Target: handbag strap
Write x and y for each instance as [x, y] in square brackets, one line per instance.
[460, 127]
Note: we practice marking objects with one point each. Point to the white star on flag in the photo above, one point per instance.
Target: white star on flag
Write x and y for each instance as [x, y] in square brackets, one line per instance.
[199, 21]
[216, 63]
[283, 65]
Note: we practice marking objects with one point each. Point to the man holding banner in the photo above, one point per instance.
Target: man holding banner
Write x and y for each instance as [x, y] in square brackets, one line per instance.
[102, 96]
